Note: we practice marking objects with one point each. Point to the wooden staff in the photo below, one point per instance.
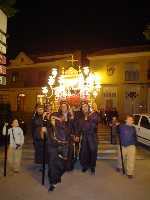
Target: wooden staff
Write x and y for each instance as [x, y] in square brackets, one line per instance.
[111, 137]
[122, 161]
[44, 158]
[5, 152]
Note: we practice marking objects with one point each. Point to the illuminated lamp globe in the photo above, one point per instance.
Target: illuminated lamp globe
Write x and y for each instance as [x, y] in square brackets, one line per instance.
[44, 90]
[86, 70]
[54, 72]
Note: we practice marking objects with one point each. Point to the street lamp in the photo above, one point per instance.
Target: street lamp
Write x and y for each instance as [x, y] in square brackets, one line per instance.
[86, 70]
[54, 72]
[52, 78]
[90, 83]
[45, 92]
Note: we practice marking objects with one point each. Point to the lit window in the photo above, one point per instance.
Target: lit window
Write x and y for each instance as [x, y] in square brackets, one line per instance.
[40, 99]
[21, 102]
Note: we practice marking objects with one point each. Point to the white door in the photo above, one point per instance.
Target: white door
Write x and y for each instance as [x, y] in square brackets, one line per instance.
[148, 101]
[144, 130]
[137, 119]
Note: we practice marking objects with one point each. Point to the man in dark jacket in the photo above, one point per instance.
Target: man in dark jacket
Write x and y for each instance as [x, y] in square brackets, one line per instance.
[37, 124]
[128, 140]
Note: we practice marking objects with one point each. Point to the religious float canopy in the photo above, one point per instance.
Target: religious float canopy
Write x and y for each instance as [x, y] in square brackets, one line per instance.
[72, 85]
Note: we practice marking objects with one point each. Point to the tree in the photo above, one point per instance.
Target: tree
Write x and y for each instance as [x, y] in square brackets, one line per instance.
[7, 7]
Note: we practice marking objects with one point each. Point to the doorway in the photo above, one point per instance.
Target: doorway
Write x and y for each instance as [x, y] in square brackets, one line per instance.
[109, 103]
[21, 102]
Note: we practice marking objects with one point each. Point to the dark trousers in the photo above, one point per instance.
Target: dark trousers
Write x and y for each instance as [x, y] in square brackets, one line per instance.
[69, 163]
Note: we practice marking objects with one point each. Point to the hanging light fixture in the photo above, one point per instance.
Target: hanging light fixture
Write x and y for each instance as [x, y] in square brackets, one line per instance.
[44, 90]
[54, 72]
[86, 70]
[84, 85]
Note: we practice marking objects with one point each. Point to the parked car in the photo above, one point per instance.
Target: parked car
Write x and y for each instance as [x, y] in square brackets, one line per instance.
[142, 125]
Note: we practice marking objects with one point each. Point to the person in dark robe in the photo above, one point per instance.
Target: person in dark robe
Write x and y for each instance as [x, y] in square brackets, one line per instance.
[77, 116]
[114, 125]
[68, 116]
[32, 125]
[114, 113]
[60, 152]
[37, 124]
[102, 116]
[108, 115]
[87, 131]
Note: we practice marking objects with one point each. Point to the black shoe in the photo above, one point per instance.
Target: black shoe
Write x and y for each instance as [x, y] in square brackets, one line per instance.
[40, 170]
[69, 169]
[51, 188]
[130, 176]
[84, 170]
[118, 169]
[92, 170]
[59, 180]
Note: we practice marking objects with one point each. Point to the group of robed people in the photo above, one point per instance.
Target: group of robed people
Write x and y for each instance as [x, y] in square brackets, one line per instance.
[68, 134]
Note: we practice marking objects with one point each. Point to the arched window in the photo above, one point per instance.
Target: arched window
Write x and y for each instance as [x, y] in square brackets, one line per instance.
[41, 99]
[131, 71]
[14, 77]
[21, 102]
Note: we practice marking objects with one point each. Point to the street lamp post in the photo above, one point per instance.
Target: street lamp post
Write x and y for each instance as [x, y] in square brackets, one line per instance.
[45, 91]
[92, 82]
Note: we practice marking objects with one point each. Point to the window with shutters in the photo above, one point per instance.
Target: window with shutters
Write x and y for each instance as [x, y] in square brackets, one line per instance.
[131, 71]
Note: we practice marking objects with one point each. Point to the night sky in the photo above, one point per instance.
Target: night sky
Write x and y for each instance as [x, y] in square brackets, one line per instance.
[43, 26]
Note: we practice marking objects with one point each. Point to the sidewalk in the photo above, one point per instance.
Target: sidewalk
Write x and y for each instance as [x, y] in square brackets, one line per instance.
[106, 185]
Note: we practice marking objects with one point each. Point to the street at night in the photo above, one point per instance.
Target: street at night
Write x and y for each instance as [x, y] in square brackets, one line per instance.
[74, 100]
[106, 184]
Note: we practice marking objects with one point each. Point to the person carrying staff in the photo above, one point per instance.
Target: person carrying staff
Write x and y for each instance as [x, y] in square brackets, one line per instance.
[37, 124]
[59, 152]
[128, 141]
